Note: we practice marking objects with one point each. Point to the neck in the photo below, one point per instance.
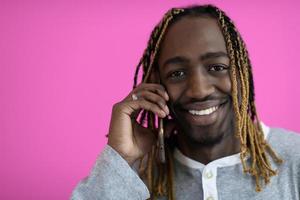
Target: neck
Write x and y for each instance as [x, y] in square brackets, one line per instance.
[204, 154]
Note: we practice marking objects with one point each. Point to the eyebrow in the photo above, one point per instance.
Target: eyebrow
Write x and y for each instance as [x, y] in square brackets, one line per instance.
[209, 55]
[213, 55]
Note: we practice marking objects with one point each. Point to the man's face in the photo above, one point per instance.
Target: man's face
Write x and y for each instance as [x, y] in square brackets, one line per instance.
[194, 68]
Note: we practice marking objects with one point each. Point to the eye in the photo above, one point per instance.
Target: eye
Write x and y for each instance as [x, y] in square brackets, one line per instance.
[217, 67]
[179, 74]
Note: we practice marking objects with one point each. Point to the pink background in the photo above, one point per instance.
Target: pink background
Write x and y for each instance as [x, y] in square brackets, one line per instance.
[64, 63]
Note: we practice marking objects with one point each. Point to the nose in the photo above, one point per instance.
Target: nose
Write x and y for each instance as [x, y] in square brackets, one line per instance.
[199, 85]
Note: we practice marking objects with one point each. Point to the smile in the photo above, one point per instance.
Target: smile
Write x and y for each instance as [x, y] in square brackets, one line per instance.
[207, 111]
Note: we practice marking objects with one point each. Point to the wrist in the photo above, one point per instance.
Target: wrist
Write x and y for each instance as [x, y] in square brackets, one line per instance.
[129, 159]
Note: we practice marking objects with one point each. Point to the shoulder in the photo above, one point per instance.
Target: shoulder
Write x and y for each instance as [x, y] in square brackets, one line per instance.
[285, 142]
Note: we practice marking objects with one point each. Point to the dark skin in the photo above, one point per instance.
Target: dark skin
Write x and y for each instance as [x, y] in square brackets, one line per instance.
[195, 89]
[194, 69]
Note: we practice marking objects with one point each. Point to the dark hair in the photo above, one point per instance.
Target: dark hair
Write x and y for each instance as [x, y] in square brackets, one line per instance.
[248, 129]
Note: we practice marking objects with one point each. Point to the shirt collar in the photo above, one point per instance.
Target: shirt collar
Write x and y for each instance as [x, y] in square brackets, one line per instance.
[221, 162]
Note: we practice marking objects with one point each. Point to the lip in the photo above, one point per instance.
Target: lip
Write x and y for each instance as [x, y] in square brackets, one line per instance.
[203, 120]
[203, 105]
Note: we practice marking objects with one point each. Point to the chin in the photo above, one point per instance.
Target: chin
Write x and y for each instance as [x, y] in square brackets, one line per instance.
[207, 130]
[203, 136]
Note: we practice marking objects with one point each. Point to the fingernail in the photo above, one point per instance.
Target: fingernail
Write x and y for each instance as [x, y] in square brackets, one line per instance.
[163, 114]
[167, 96]
[162, 104]
[167, 109]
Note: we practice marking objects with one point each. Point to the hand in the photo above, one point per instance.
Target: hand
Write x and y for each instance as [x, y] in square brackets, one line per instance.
[126, 136]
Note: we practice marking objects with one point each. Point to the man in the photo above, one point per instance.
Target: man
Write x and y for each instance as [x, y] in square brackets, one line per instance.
[197, 76]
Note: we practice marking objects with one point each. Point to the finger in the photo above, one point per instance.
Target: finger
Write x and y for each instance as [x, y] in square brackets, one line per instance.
[155, 88]
[132, 106]
[159, 89]
[154, 98]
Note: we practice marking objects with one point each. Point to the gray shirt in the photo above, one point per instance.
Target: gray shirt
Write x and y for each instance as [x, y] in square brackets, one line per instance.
[113, 179]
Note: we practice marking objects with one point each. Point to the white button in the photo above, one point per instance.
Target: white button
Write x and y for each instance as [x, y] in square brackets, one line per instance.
[209, 175]
[209, 198]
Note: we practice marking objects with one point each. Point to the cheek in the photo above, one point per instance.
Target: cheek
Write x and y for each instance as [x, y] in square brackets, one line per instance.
[225, 85]
[174, 92]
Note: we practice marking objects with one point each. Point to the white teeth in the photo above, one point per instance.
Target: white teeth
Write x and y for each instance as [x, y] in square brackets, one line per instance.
[204, 112]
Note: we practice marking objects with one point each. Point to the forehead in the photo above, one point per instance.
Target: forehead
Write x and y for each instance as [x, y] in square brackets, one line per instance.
[190, 37]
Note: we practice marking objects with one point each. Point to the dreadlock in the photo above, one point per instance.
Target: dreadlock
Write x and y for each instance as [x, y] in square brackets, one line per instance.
[247, 127]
